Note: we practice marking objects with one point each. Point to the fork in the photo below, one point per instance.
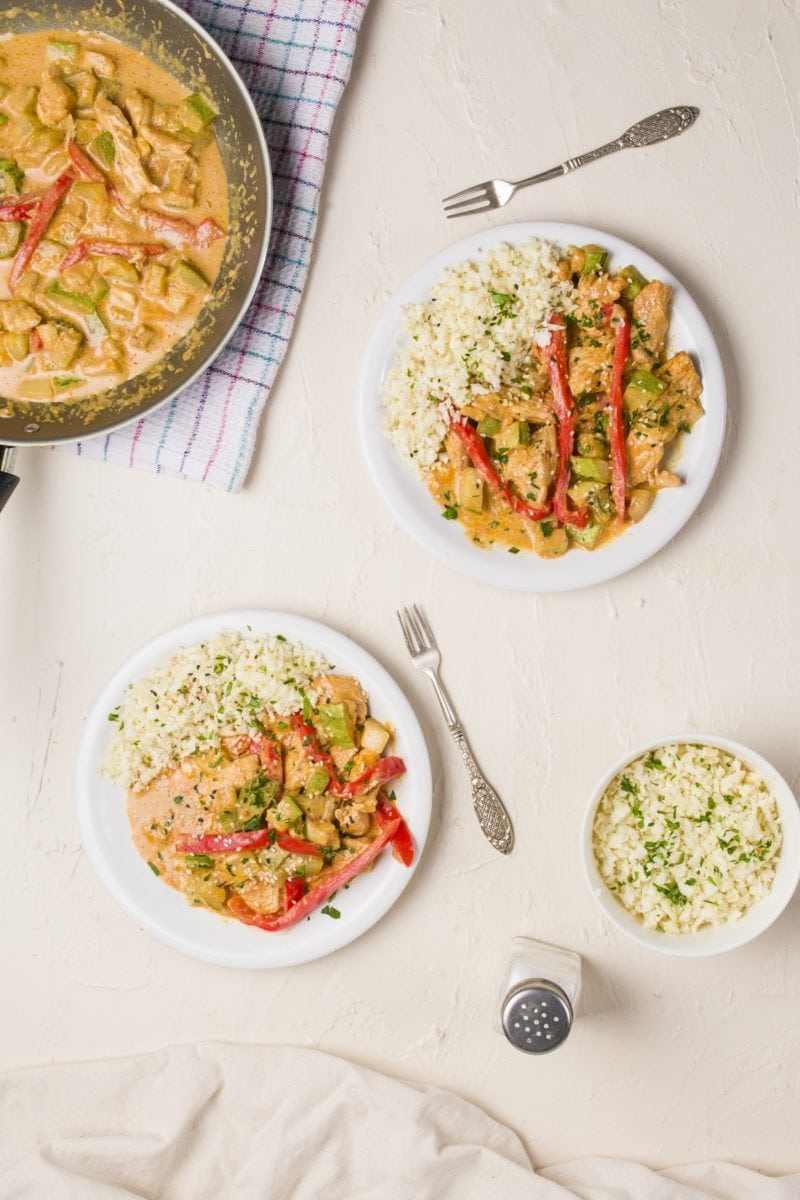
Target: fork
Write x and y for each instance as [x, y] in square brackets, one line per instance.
[494, 193]
[422, 646]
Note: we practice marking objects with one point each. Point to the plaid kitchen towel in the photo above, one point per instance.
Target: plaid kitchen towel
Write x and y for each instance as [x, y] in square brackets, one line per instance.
[295, 58]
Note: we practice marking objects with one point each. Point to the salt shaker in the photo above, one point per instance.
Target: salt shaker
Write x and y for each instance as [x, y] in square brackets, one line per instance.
[539, 996]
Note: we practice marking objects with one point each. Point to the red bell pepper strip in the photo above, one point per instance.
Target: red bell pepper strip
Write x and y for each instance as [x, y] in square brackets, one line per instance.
[296, 845]
[127, 250]
[473, 444]
[319, 894]
[269, 754]
[225, 843]
[294, 890]
[621, 323]
[38, 227]
[402, 842]
[197, 235]
[384, 770]
[565, 411]
[35, 341]
[18, 208]
[314, 752]
[85, 166]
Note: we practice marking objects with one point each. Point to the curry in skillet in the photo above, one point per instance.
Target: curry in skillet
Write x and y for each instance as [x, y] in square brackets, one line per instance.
[113, 213]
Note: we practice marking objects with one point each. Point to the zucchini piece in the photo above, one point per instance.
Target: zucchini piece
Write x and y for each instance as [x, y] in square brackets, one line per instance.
[595, 261]
[591, 468]
[644, 381]
[4, 119]
[27, 124]
[77, 301]
[154, 280]
[17, 345]
[188, 277]
[586, 537]
[284, 814]
[10, 237]
[62, 52]
[196, 113]
[305, 865]
[98, 289]
[642, 389]
[317, 782]
[272, 857]
[489, 426]
[590, 445]
[36, 389]
[94, 194]
[203, 892]
[113, 267]
[62, 383]
[12, 177]
[84, 85]
[375, 736]
[469, 490]
[335, 723]
[636, 281]
[517, 434]
[144, 337]
[85, 130]
[95, 325]
[42, 141]
[640, 502]
[103, 150]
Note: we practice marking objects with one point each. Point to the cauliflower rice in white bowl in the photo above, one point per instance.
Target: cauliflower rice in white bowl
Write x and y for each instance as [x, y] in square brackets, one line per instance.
[691, 845]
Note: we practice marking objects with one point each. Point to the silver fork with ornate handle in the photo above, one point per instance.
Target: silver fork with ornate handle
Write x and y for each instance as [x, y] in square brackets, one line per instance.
[492, 816]
[494, 193]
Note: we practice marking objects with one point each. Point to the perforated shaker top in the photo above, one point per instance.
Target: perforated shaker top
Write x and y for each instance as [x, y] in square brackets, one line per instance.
[537, 1016]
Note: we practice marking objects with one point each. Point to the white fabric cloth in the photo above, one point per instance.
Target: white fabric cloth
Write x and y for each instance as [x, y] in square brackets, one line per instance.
[226, 1122]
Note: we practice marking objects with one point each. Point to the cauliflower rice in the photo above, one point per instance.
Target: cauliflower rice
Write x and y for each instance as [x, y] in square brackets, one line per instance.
[687, 836]
[473, 336]
[202, 694]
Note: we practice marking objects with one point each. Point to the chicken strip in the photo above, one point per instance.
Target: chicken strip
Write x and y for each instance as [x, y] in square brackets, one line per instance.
[532, 468]
[127, 163]
[342, 689]
[650, 323]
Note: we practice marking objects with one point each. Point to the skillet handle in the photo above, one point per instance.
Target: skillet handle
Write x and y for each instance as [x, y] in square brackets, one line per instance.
[8, 480]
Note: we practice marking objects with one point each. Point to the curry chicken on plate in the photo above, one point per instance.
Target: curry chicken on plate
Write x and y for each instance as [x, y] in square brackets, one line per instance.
[113, 213]
[540, 398]
[271, 823]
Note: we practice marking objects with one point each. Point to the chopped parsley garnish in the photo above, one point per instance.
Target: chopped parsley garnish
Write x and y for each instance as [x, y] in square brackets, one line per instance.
[505, 303]
[330, 911]
[450, 512]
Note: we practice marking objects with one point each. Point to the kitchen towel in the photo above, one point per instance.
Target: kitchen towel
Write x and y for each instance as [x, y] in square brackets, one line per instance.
[283, 1123]
[294, 57]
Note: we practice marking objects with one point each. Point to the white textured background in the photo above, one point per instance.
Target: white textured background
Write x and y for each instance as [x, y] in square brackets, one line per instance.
[668, 1061]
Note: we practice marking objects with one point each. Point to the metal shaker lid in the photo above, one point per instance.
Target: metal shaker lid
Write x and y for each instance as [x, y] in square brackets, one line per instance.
[537, 1016]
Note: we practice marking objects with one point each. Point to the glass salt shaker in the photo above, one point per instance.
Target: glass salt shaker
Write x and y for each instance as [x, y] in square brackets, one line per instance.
[539, 996]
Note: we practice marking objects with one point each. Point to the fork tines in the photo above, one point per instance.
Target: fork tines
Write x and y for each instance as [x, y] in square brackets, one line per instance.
[416, 630]
[477, 198]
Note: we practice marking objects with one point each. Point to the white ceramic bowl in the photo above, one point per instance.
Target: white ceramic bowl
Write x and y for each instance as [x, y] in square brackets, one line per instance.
[717, 938]
[162, 911]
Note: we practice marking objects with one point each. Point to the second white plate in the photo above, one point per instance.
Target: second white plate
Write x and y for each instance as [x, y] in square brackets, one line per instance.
[408, 498]
[162, 911]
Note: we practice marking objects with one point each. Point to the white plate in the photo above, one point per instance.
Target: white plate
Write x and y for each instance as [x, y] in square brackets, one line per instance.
[161, 910]
[411, 503]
